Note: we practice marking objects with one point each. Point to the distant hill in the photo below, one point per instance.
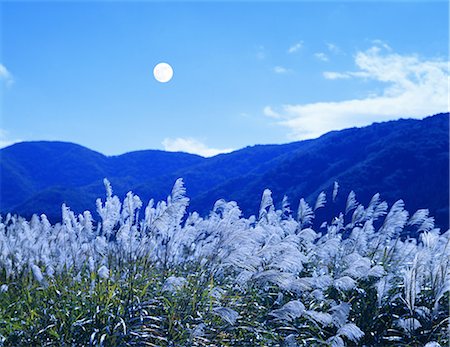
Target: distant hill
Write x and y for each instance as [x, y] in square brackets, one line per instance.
[406, 159]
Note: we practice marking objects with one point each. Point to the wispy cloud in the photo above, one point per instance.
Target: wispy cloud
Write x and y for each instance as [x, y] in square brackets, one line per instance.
[332, 75]
[6, 76]
[295, 47]
[321, 56]
[269, 112]
[190, 145]
[333, 48]
[5, 141]
[281, 70]
[382, 44]
[413, 87]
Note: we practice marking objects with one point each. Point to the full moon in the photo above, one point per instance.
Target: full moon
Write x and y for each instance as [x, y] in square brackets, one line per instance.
[163, 72]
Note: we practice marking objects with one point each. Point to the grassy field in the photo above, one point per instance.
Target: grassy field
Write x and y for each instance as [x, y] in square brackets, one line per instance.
[155, 276]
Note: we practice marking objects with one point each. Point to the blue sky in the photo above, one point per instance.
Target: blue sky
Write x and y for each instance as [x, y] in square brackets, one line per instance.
[245, 73]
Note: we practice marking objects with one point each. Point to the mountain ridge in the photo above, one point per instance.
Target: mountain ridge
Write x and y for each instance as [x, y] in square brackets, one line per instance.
[394, 158]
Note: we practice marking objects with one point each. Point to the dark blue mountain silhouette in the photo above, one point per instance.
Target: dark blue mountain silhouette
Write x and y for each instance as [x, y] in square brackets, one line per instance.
[406, 159]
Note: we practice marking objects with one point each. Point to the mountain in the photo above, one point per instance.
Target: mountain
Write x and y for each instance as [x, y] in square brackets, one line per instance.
[406, 159]
[36, 177]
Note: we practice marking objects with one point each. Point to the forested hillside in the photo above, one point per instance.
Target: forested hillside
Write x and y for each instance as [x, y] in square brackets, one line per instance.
[407, 158]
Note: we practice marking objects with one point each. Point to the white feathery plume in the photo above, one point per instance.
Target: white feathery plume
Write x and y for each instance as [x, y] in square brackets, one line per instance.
[335, 190]
[290, 311]
[286, 206]
[395, 220]
[103, 272]
[305, 214]
[266, 204]
[351, 202]
[336, 341]
[418, 217]
[351, 331]
[345, 283]
[227, 314]
[409, 325]
[321, 201]
[290, 341]
[340, 313]
[320, 317]
[38, 276]
[432, 344]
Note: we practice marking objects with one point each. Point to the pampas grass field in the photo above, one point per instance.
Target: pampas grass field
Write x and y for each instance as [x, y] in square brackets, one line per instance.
[156, 276]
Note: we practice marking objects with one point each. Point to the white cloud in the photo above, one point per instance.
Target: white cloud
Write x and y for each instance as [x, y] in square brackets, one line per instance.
[333, 48]
[413, 87]
[295, 47]
[331, 75]
[381, 43]
[4, 140]
[281, 70]
[190, 145]
[6, 76]
[321, 56]
[269, 112]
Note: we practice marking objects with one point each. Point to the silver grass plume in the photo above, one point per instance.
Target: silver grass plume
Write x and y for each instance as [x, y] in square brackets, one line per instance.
[335, 190]
[266, 204]
[351, 332]
[351, 202]
[227, 314]
[321, 201]
[290, 311]
[305, 214]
